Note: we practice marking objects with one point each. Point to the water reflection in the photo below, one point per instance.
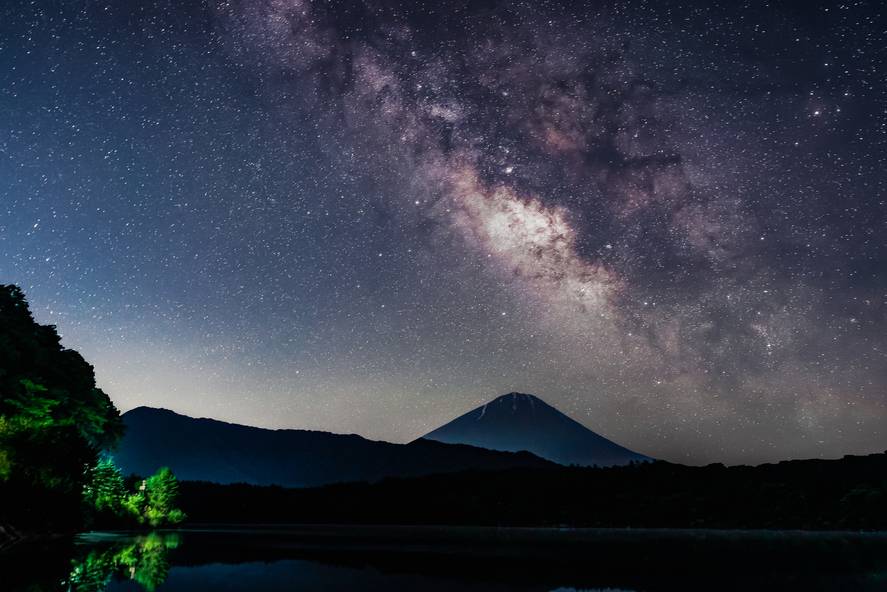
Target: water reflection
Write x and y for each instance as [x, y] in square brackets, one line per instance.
[596, 590]
[440, 558]
[143, 558]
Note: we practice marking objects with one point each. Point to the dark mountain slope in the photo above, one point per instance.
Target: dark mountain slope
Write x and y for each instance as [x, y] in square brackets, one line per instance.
[211, 450]
[517, 421]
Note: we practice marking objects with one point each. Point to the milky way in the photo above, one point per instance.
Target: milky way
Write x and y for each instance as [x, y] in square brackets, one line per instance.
[665, 219]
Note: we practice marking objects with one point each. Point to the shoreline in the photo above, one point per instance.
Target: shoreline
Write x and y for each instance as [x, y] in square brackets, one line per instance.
[563, 533]
[10, 537]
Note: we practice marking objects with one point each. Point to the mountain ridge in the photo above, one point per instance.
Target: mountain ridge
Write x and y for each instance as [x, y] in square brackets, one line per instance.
[204, 449]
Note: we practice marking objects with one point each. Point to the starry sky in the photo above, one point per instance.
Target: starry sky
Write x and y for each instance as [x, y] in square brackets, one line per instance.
[666, 219]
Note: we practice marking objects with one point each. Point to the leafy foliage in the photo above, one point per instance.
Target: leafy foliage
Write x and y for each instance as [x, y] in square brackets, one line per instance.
[105, 492]
[153, 503]
[53, 422]
[41, 382]
[162, 492]
[105, 498]
[43, 470]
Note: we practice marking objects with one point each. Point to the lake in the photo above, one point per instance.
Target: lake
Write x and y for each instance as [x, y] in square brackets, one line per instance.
[394, 558]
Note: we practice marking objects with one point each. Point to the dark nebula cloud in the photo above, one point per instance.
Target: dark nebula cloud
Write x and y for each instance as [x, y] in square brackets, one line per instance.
[665, 219]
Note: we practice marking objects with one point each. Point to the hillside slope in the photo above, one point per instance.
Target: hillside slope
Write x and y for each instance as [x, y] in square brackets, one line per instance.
[211, 450]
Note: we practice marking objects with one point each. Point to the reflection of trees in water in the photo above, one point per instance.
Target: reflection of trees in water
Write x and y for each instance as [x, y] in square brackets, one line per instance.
[143, 559]
[431, 558]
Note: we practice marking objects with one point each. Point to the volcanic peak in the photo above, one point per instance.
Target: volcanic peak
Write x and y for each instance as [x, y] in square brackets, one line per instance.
[518, 421]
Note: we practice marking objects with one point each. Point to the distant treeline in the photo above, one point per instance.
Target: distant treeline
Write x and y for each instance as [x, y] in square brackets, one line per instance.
[850, 493]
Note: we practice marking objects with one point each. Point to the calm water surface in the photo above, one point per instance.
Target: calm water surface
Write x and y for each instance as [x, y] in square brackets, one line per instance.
[449, 558]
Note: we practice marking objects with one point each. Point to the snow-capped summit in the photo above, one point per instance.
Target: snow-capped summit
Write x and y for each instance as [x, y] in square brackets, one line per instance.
[516, 421]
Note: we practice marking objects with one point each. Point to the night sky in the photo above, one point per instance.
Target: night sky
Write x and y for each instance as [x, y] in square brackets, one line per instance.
[666, 219]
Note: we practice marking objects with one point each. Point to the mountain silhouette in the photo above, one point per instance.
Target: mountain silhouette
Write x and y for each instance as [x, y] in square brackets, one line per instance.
[220, 452]
[517, 421]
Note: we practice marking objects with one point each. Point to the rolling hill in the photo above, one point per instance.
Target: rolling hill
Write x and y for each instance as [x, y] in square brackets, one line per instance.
[216, 451]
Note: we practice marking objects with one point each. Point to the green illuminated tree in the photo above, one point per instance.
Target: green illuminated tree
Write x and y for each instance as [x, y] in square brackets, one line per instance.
[41, 382]
[53, 422]
[162, 492]
[106, 499]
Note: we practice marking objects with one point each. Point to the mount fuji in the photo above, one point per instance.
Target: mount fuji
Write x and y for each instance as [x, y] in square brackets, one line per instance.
[516, 422]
